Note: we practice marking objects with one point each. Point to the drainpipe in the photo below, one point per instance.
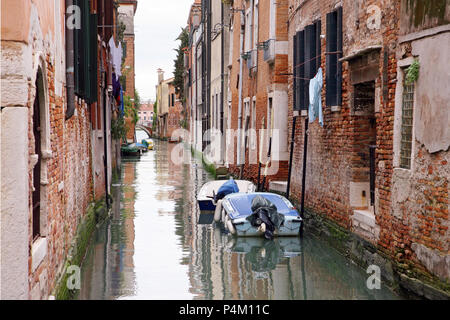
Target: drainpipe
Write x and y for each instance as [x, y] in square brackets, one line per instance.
[105, 137]
[241, 52]
[70, 82]
[222, 95]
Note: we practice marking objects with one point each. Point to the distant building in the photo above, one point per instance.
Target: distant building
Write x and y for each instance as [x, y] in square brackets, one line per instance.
[169, 107]
[127, 10]
[145, 114]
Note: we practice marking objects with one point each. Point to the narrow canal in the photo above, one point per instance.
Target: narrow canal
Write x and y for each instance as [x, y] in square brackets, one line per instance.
[153, 247]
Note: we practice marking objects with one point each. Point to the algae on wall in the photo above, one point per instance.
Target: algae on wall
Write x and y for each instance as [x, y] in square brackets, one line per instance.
[95, 214]
[418, 15]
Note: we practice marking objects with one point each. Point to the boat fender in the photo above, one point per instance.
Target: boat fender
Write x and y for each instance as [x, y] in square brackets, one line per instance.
[222, 218]
[262, 227]
[230, 225]
[218, 212]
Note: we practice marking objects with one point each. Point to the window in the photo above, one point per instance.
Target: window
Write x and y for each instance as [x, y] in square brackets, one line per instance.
[269, 116]
[246, 121]
[217, 111]
[37, 169]
[307, 61]
[407, 124]
[248, 31]
[123, 82]
[334, 52]
[273, 8]
[364, 98]
[124, 49]
[255, 25]
[85, 54]
[253, 125]
[213, 112]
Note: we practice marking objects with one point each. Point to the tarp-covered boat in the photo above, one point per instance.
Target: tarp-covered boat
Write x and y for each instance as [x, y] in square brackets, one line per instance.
[258, 214]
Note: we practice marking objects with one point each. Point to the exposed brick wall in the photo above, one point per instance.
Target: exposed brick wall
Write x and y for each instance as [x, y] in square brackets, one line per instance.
[69, 189]
[337, 154]
[174, 115]
[129, 73]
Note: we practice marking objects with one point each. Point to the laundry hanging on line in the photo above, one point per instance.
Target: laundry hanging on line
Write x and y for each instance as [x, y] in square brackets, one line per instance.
[315, 98]
[116, 55]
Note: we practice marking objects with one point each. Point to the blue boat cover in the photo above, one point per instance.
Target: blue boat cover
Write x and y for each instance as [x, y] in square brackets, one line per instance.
[242, 204]
[227, 188]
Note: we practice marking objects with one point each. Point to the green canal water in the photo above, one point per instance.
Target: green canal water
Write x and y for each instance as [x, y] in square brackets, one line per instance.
[153, 247]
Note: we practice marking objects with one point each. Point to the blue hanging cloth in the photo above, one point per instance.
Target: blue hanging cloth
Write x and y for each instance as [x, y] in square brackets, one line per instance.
[315, 98]
[121, 107]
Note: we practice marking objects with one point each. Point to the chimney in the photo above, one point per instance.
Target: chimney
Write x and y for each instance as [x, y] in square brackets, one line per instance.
[160, 75]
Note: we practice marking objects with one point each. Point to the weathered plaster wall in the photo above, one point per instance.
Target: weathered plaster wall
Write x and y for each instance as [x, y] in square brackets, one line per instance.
[15, 20]
[420, 194]
[432, 107]
[14, 208]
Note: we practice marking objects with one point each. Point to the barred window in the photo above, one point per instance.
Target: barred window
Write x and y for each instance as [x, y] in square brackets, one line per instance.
[407, 124]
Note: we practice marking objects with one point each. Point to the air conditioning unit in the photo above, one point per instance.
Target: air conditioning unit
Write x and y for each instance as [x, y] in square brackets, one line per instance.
[269, 51]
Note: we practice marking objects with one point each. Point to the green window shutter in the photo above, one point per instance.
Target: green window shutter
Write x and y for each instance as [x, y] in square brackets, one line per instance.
[85, 54]
[79, 55]
[300, 93]
[334, 67]
[294, 55]
[91, 84]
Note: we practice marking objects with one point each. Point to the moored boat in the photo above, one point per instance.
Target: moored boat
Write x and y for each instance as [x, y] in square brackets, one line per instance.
[130, 150]
[149, 143]
[259, 214]
[207, 196]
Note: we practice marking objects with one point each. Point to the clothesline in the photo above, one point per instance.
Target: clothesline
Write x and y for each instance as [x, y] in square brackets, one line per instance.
[316, 57]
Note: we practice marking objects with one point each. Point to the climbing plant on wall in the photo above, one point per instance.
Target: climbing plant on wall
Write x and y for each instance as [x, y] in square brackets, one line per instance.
[412, 73]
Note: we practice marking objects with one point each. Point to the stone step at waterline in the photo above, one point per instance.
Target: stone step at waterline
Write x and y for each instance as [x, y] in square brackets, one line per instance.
[278, 186]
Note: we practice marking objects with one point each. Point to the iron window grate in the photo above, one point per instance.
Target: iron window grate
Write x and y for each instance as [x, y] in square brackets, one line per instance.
[407, 124]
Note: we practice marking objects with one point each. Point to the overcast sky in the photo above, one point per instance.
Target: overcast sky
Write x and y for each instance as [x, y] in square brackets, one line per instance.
[157, 25]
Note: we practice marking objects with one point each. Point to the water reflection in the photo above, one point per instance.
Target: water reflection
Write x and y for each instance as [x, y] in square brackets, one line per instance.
[153, 247]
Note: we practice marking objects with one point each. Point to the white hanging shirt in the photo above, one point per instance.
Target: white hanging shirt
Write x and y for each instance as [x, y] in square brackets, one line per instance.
[116, 54]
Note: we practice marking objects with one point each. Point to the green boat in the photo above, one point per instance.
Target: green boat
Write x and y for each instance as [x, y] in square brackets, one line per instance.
[131, 150]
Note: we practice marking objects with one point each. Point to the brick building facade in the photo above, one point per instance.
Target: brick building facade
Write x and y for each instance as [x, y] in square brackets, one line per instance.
[401, 203]
[378, 166]
[53, 136]
[127, 10]
[258, 101]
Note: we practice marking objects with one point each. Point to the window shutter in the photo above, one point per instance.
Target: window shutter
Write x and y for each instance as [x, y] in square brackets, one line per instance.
[339, 47]
[91, 84]
[318, 30]
[79, 50]
[310, 61]
[295, 72]
[331, 59]
[300, 69]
